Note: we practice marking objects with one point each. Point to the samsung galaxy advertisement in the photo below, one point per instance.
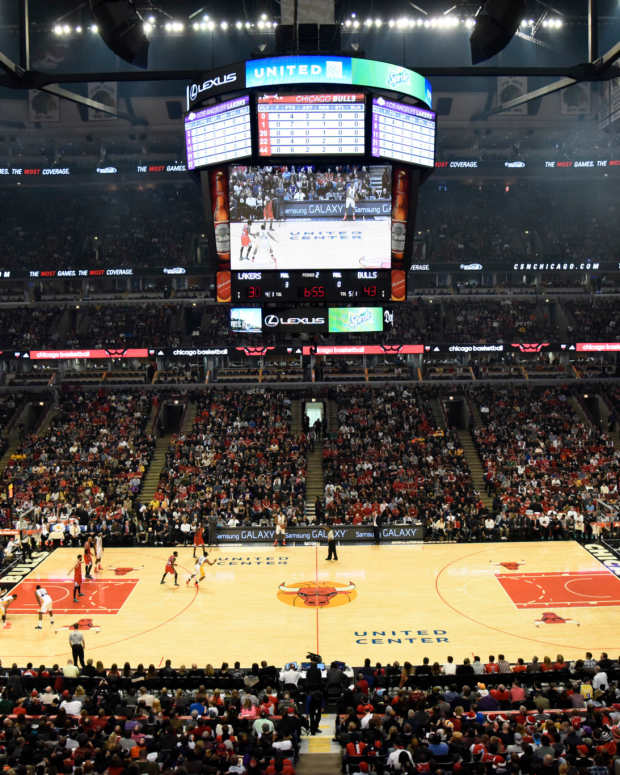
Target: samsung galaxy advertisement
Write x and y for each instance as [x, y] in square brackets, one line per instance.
[310, 217]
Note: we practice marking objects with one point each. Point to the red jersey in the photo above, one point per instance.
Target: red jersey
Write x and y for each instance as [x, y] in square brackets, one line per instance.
[77, 572]
[88, 557]
[170, 564]
[198, 537]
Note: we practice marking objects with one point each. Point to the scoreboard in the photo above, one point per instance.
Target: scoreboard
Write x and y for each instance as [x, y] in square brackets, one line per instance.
[403, 132]
[219, 133]
[310, 205]
[337, 286]
[317, 124]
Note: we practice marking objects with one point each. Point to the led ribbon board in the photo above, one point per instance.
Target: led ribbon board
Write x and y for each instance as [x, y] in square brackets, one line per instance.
[347, 71]
[312, 69]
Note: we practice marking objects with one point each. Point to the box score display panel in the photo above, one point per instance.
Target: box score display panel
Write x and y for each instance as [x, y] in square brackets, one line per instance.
[322, 124]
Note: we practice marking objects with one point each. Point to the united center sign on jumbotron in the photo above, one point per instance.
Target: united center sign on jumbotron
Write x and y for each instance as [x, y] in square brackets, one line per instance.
[311, 69]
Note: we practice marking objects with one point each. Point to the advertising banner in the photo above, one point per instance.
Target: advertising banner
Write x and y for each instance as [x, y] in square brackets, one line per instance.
[296, 320]
[276, 71]
[355, 319]
[363, 209]
[218, 81]
[343, 534]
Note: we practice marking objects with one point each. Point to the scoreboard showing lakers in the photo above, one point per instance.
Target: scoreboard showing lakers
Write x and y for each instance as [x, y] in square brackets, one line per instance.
[310, 169]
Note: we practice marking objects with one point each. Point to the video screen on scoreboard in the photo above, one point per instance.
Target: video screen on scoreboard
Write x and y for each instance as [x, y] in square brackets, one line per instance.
[219, 133]
[310, 217]
[246, 320]
[304, 124]
[356, 320]
[403, 132]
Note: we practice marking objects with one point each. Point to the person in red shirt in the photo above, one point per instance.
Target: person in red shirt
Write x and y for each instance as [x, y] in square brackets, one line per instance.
[491, 666]
[88, 559]
[171, 568]
[199, 540]
[77, 579]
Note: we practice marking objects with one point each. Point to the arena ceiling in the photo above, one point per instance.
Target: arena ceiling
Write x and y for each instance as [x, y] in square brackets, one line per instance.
[540, 50]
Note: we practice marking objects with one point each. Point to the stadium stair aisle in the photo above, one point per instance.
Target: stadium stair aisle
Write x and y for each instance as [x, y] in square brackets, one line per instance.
[332, 417]
[314, 478]
[581, 413]
[188, 417]
[475, 416]
[158, 461]
[438, 415]
[156, 466]
[296, 417]
[475, 465]
[320, 753]
[319, 764]
[48, 419]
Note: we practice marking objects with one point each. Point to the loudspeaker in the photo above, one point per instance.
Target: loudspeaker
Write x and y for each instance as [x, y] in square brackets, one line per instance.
[495, 27]
[285, 39]
[312, 38]
[308, 35]
[120, 26]
[330, 38]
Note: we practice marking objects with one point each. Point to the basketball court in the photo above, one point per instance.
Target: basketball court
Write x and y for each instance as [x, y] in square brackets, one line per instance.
[389, 602]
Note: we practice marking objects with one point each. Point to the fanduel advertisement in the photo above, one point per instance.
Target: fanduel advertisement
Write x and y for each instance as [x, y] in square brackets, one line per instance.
[296, 320]
[308, 217]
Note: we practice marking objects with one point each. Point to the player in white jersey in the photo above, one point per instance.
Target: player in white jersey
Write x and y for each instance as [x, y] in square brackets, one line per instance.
[5, 602]
[199, 568]
[98, 552]
[280, 529]
[349, 202]
[263, 249]
[45, 605]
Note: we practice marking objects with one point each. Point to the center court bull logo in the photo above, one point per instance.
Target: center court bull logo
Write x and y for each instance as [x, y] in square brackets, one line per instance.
[317, 594]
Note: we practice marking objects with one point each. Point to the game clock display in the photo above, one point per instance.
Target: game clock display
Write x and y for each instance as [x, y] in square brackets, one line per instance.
[338, 286]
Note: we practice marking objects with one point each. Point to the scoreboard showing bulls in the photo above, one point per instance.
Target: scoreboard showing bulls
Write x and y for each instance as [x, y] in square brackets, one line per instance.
[328, 153]
[311, 124]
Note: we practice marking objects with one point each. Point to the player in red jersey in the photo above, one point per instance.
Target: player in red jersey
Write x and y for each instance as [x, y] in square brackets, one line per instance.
[77, 579]
[88, 559]
[171, 568]
[199, 539]
[246, 243]
[268, 212]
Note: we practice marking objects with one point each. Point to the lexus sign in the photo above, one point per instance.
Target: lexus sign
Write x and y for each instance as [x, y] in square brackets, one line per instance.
[295, 320]
[216, 81]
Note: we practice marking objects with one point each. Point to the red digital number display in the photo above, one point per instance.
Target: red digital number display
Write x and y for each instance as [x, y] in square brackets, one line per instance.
[254, 292]
[314, 292]
[369, 290]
